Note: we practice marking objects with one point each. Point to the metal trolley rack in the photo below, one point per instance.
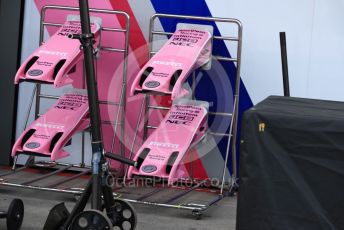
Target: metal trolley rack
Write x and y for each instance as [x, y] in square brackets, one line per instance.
[176, 200]
[37, 96]
[158, 195]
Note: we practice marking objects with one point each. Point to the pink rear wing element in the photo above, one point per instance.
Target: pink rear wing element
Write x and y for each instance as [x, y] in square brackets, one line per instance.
[168, 69]
[52, 61]
[47, 135]
[162, 153]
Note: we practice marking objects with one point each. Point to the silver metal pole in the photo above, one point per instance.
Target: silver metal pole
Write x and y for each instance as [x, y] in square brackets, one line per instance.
[134, 139]
[125, 74]
[30, 106]
[227, 154]
[236, 103]
[119, 109]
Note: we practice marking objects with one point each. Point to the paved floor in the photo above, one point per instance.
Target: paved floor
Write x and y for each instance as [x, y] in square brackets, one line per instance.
[38, 204]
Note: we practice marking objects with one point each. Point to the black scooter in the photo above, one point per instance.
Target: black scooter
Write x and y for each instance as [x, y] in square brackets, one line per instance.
[119, 213]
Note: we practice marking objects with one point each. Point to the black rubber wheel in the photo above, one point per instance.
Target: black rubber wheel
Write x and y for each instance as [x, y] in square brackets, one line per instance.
[124, 216]
[15, 215]
[197, 214]
[91, 220]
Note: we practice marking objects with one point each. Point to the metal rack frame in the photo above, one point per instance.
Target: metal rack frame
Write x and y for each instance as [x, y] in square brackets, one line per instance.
[197, 209]
[174, 201]
[37, 95]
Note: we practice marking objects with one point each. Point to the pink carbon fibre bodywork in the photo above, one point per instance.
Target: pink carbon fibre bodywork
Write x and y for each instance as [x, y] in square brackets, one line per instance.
[185, 51]
[53, 60]
[65, 118]
[183, 126]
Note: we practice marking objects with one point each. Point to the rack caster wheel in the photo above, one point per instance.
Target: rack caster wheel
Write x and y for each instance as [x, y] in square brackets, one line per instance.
[91, 219]
[77, 197]
[14, 215]
[123, 216]
[77, 194]
[197, 214]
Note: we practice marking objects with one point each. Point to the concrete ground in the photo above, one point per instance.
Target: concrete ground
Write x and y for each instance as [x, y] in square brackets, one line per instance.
[38, 203]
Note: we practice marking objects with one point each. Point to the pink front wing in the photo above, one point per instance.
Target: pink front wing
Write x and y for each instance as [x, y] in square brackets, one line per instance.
[52, 61]
[162, 153]
[50, 132]
[167, 70]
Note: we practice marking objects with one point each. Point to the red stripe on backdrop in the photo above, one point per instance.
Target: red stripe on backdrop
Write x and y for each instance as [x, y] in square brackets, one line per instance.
[195, 167]
[138, 42]
[139, 47]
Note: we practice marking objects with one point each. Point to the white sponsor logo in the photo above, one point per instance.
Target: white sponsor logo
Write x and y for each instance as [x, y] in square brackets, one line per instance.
[171, 63]
[54, 53]
[51, 126]
[165, 145]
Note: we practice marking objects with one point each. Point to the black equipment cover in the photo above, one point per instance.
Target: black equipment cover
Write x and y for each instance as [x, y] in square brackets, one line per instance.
[292, 165]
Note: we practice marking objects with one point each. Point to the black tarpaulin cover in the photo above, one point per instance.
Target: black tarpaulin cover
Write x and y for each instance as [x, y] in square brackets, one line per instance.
[292, 165]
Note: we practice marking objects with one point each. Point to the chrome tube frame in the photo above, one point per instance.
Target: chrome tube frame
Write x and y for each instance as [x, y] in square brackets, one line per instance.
[170, 202]
[37, 94]
[231, 134]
